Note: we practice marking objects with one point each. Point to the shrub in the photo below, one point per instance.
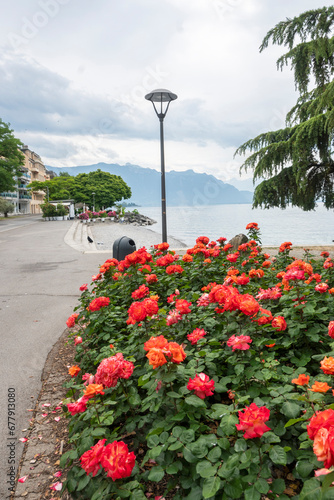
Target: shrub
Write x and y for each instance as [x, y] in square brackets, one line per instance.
[206, 369]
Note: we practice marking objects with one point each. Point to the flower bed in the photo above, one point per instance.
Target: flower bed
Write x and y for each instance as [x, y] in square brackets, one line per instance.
[208, 376]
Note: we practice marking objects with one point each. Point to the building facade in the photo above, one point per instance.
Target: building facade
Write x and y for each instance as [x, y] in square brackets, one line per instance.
[25, 200]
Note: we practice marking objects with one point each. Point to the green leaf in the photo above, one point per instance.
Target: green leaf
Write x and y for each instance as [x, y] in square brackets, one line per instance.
[206, 469]
[240, 445]
[98, 432]
[175, 446]
[177, 431]
[278, 455]
[304, 468]
[233, 489]
[155, 452]
[262, 486]
[135, 400]
[252, 494]
[187, 436]
[156, 474]
[189, 456]
[173, 394]
[195, 401]
[290, 410]
[210, 487]
[153, 441]
[326, 483]
[311, 490]
[198, 448]
[179, 416]
[239, 368]
[278, 486]
[293, 421]
[83, 483]
[174, 468]
[228, 423]
[214, 454]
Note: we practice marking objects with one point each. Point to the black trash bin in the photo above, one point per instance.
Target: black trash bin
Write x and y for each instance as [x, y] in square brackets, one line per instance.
[122, 247]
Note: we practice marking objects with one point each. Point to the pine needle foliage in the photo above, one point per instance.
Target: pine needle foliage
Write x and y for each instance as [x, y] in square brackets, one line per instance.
[296, 162]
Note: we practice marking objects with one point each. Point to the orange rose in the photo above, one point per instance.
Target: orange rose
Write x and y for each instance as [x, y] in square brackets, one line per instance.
[156, 342]
[320, 419]
[320, 387]
[321, 446]
[327, 365]
[74, 370]
[177, 352]
[301, 380]
[156, 357]
[248, 305]
[92, 390]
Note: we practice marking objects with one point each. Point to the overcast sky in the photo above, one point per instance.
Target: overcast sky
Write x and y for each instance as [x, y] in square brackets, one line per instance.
[74, 73]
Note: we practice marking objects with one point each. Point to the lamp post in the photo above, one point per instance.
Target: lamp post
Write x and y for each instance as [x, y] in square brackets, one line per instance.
[93, 202]
[164, 97]
[47, 188]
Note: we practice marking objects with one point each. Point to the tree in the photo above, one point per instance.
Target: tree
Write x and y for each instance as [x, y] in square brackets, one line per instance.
[108, 188]
[297, 161]
[10, 158]
[6, 207]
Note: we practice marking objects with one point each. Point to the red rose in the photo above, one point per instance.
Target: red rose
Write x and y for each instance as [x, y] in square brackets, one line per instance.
[91, 459]
[241, 342]
[117, 461]
[195, 335]
[201, 385]
[252, 421]
[279, 323]
[98, 303]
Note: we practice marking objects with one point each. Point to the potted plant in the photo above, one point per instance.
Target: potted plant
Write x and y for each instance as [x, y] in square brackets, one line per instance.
[83, 217]
[95, 216]
[61, 211]
[112, 214]
[46, 210]
[103, 215]
[53, 212]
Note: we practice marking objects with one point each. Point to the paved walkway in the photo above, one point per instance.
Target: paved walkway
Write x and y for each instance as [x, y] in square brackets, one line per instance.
[40, 276]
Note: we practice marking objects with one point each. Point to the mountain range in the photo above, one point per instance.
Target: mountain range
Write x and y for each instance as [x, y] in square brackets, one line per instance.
[186, 188]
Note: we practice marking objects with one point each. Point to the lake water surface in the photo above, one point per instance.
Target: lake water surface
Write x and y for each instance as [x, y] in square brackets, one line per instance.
[276, 225]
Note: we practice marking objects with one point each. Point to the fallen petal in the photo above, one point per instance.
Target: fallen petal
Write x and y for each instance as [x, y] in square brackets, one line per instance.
[57, 419]
[56, 486]
[23, 440]
[22, 479]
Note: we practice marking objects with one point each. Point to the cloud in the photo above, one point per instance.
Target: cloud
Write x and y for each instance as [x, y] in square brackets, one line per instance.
[74, 88]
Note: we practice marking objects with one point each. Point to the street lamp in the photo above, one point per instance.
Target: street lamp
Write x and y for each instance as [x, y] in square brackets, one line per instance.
[93, 202]
[164, 97]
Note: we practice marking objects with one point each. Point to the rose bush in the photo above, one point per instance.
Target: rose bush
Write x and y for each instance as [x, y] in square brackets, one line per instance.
[206, 374]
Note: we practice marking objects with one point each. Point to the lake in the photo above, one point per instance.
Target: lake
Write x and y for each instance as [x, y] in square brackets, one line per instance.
[276, 225]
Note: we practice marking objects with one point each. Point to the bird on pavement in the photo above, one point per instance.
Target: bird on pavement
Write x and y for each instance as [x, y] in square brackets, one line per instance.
[89, 239]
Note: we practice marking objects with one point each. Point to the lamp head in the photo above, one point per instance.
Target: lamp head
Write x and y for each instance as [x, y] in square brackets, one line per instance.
[161, 96]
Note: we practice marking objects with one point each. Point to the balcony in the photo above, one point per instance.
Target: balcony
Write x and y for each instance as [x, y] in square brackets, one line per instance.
[25, 196]
[34, 169]
[8, 195]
